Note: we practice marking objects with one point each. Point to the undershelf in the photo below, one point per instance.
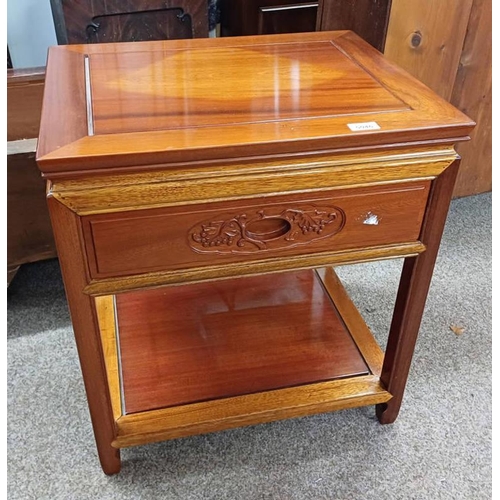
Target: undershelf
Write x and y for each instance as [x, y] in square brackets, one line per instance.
[189, 359]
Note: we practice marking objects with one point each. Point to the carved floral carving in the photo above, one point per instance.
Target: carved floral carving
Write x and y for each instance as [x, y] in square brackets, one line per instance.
[268, 229]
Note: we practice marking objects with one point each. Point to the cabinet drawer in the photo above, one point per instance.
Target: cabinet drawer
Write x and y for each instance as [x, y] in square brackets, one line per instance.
[128, 243]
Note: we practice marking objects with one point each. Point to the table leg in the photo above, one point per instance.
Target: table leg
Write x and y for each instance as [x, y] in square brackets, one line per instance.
[412, 294]
[74, 267]
[11, 272]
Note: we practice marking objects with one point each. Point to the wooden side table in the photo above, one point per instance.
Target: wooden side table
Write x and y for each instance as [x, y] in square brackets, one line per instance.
[235, 168]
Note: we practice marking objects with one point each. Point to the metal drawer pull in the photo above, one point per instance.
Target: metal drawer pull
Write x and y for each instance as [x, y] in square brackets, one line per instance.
[277, 8]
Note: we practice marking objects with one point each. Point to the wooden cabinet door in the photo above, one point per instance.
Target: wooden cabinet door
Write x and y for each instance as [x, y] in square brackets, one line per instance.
[101, 21]
[267, 17]
[367, 18]
[29, 233]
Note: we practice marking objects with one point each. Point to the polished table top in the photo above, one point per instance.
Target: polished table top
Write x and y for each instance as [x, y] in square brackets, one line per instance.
[164, 89]
[196, 100]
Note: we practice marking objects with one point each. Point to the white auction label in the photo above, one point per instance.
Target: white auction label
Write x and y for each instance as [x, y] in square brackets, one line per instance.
[358, 127]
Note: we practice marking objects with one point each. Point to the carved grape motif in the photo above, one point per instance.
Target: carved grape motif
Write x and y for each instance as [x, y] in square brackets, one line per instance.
[280, 229]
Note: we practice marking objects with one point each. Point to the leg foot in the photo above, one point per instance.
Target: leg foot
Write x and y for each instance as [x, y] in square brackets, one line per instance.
[110, 460]
[11, 272]
[386, 413]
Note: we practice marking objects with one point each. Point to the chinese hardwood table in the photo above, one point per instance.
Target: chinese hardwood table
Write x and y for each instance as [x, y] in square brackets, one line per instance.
[200, 192]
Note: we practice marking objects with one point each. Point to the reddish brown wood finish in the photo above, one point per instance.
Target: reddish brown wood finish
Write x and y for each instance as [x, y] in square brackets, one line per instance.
[412, 295]
[294, 103]
[173, 211]
[64, 91]
[209, 341]
[170, 238]
[24, 102]
[330, 84]
[29, 233]
[83, 316]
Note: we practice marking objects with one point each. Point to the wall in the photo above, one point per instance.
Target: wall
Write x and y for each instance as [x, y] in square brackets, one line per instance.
[30, 31]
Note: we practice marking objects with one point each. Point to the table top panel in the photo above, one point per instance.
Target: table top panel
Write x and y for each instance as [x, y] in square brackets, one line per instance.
[166, 89]
[191, 101]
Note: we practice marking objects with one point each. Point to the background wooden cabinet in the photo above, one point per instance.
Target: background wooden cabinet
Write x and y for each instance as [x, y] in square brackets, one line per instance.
[267, 17]
[29, 233]
[367, 18]
[96, 21]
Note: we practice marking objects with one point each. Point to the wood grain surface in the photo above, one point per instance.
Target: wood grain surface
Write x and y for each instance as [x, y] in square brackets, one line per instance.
[64, 112]
[105, 310]
[219, 272]
[411, 297]
[251, 409]
[278, 95]
[24, 102]
[447, 45]
[137, 197]
[29, 232]
[169, 239]
[67, 233]
[354, 322]
[426, 38]
[351, 164]
[472, 94]
[367, 18]
[182, 186]
[107, 21]
[209, 341]
[286, 82]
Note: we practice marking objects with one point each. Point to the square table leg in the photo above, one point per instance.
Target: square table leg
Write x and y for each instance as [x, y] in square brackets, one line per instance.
[74, 268]
[412, 294]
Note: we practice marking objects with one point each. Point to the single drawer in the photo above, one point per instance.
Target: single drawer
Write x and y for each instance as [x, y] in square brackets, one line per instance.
[128, 243]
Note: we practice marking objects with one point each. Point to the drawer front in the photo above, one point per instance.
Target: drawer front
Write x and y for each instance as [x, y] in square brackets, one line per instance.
[129, 243]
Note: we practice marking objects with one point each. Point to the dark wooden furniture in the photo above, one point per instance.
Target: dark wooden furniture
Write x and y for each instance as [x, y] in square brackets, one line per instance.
[308, 151]
[267, 17]
[29, 234]
[94, 21]
[24, 102]
[368, 18]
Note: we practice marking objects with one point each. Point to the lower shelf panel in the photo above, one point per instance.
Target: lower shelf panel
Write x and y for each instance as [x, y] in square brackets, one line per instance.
[241, 336]
[201, 358]
[211, 416]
